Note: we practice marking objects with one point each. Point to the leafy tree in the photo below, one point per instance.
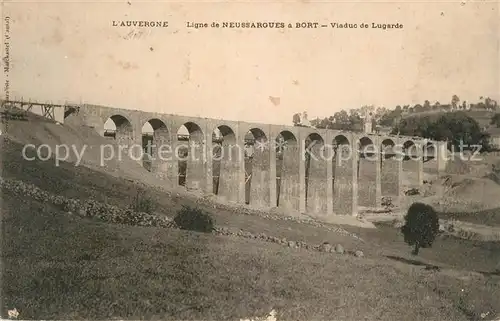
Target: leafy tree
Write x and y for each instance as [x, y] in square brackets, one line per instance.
[421, 226]
[490, 103]
[454, 101]
[326, 123]
[355, 120]
[457, 128]
[296, 119]
[495, 120]
[427, 105]
[322, 123]
[391, 117]
[341, 120]
[315, 122]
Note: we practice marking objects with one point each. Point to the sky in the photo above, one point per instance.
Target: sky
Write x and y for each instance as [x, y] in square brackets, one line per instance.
[71, 52]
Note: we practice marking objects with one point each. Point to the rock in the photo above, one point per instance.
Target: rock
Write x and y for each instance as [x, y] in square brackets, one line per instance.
[292, 244]
[398, 224]
[339, 249]
[325, 247]
[442, 228]
[359, 253]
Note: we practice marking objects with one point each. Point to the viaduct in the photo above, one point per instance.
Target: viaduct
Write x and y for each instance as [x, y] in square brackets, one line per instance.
[321, 172]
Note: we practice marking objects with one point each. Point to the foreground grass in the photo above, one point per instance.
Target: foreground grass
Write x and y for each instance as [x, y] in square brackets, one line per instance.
[57, 266]
[83, 183]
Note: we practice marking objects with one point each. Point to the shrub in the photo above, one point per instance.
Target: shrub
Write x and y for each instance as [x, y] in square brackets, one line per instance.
[194, 219]
[412, 191]
[143, 204]
[421, 226]
[387, 202]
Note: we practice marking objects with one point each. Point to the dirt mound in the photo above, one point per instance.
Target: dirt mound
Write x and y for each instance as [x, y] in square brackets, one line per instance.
[84, 144]
[465, 194]
[458, 166]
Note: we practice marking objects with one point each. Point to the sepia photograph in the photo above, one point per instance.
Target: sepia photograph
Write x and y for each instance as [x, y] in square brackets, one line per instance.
[250, 161]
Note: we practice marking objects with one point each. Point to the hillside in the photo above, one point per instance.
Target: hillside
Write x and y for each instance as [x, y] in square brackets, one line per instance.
[483, 117]
[60, 265]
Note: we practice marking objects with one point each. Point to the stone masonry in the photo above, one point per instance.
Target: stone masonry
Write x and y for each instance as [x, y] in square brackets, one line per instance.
[317, 174]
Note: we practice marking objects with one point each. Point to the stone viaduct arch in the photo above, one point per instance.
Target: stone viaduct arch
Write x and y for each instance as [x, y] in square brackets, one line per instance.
[304, 169]
[152, 159]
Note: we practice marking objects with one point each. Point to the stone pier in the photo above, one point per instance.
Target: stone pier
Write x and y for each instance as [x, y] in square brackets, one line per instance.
[290, 181]
[316, 179]
[259, 187]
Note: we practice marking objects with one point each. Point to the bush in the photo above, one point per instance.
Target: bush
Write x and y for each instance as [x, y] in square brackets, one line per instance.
[387, 202]
[421, 226]
[194, 219]
[412, 191]
[143, 204]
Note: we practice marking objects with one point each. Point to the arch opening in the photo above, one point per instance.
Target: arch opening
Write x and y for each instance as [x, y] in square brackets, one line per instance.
[189, 152]
[118, 127]
[367, 163]
[154, 135]
[256, 153]
[410, 150]
[287, 170]
[388, 148]
[429, 152]
[412, 161]
[366, 147]
[226, 153]
[315, 173]
[69, 110]
[342, 175]
[389, 172]
[429, 155]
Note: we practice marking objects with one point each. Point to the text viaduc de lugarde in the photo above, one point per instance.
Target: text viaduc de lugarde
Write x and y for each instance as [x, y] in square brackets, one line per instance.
[261, 25]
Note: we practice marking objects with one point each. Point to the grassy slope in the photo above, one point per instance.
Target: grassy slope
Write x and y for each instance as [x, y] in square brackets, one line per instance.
[59, 266]
[483, 117]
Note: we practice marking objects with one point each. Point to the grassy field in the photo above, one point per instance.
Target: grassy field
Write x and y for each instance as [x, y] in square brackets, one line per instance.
[59, 266]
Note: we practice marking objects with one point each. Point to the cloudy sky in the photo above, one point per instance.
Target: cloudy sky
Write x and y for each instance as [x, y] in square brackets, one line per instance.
[71, 52]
